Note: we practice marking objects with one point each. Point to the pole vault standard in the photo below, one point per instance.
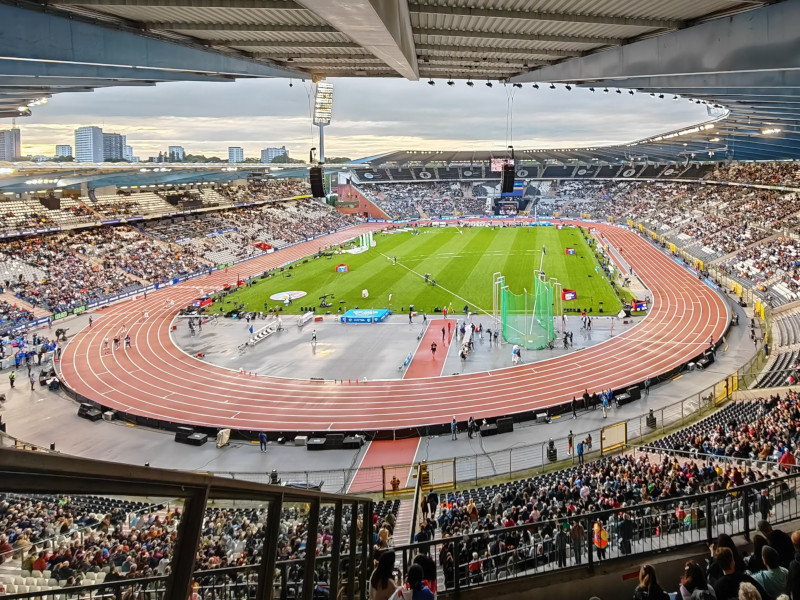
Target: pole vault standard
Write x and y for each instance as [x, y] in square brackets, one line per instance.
[498, 281]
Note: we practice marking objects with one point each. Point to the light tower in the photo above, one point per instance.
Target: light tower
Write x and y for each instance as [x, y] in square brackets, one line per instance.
[323, 105]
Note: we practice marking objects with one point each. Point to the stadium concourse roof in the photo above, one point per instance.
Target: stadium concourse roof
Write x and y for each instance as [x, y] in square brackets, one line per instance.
[742, 55]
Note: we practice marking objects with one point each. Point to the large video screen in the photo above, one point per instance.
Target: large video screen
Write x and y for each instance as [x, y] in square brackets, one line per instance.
[497, 164]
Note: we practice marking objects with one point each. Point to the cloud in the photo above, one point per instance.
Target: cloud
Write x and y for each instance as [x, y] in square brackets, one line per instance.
[370, 116]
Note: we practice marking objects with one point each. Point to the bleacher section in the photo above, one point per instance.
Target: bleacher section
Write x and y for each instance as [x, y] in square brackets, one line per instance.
[82, 540]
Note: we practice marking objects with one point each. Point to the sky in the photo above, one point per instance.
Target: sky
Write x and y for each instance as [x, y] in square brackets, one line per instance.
[370, 116]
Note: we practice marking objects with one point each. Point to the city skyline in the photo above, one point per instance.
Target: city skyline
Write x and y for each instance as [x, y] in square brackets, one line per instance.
[369, 117]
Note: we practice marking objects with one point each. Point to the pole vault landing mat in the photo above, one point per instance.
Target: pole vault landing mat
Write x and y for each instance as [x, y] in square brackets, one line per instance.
[365, 315]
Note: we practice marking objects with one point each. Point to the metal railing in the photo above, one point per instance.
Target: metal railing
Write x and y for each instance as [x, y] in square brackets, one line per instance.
[265, 576]
[569, 541]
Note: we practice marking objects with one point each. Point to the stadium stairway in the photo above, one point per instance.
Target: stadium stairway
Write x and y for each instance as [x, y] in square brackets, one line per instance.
[403, 525]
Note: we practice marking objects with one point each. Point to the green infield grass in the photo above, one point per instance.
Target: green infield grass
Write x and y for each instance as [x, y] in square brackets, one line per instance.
[461, 261]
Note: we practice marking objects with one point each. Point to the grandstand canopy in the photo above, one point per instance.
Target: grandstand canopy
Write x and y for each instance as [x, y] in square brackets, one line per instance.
[740, 55]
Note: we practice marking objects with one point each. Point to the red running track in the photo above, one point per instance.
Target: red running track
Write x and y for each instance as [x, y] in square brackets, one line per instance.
[157, 380]
[425, 363]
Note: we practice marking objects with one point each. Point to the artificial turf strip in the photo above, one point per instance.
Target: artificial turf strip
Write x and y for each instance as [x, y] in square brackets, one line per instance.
[460, 260]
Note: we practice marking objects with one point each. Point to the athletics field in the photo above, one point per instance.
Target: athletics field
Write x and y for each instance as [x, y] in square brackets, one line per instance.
[461, 260]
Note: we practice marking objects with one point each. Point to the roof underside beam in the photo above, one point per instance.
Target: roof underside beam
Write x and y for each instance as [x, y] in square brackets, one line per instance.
[495, 50]
[270, 4]
[38, 72]
[709, 81]
[524, 15]
[758, 40]
[249, 27]
[382, 27]
[74, 40]
[272, 44]
[57, 83]
[526, 37]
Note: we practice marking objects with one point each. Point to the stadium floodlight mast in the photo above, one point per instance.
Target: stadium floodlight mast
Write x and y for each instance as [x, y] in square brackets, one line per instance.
[323, 108]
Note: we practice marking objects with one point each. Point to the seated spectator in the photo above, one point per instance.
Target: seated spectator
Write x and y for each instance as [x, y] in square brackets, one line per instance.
[779, 540]
[415, 588]
[749, 592]
[774, 577]
[727, 586]
[694, 585]
[648, 588]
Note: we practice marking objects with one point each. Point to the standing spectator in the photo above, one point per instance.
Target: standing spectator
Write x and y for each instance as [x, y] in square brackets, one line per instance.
[433, 502]
[764, 504]
[625, 534]
[561, 545]
[32, 376]
[262, 440]
[600, 539]
[11, 377]
[577, 534]
[453, 424]
[580, 453]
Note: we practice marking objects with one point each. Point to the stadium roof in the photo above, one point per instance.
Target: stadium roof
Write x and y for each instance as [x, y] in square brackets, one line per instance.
[739, 54]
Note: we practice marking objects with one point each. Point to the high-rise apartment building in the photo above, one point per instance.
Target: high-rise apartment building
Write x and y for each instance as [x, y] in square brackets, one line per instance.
[176, 153]
[270, 154]
[114, 146]
[63, 150]
[10, 146]
[89, 144]
[235, 154]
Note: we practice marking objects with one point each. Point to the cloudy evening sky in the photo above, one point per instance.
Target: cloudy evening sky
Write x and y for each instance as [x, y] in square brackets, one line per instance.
[370, 116]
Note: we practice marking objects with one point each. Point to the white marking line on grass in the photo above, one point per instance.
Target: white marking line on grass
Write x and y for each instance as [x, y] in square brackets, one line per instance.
[421, 276]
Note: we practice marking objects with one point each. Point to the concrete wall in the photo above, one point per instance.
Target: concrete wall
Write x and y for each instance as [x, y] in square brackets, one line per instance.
[106, 190]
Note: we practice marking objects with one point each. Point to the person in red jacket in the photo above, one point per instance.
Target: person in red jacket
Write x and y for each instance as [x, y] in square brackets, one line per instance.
[40, 564]
[787, 460]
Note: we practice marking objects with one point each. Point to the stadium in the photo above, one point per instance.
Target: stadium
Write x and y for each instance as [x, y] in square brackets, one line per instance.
[564, 371]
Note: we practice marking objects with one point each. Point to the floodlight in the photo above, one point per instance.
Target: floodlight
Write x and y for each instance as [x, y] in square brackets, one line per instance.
[431, 82]
[591, 90]
[450, 82]
[323, 103]
[630, 92]
[470, 84]
[536, 86]
[517, 85]
[661, 96]
[552, 86]
[568, 86]
[619, 91]
[605, 91]
[488, 84]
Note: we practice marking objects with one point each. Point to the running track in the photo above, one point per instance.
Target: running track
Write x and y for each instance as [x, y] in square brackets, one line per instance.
[157, 380]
